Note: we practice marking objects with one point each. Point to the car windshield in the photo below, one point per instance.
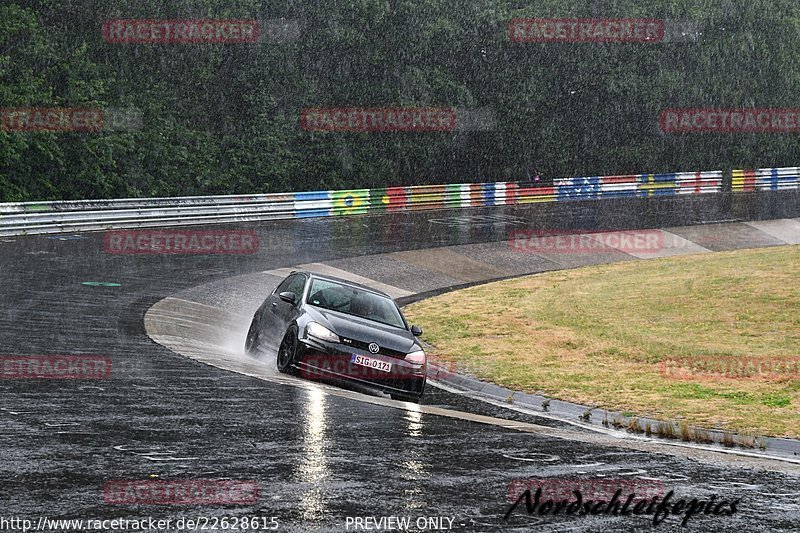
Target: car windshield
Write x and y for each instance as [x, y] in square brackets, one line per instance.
[354, 301]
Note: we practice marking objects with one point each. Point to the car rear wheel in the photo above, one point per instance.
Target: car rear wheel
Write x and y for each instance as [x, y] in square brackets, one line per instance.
[252, 341]
[287, 351]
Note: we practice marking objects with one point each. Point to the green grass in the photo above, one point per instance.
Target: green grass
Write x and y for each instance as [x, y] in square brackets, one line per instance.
[596, 335]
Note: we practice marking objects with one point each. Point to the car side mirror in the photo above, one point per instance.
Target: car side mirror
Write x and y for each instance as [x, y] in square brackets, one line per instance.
[288, 297]
[416, 330]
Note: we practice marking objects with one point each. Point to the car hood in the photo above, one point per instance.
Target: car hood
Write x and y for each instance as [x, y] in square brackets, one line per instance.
[360, 329]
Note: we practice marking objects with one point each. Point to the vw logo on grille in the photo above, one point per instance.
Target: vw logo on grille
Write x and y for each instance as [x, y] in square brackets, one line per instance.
[373, 348]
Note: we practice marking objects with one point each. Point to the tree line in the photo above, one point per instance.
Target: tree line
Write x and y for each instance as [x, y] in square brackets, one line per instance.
[224, 118]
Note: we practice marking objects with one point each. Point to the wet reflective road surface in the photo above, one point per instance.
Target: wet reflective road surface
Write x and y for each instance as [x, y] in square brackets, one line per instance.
[320, 460]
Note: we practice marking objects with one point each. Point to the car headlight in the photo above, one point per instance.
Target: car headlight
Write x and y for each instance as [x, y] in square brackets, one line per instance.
[318, 331]
[416, 358]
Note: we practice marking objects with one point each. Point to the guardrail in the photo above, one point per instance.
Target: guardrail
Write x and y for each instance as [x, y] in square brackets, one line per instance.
[766, 179]
[92, 215]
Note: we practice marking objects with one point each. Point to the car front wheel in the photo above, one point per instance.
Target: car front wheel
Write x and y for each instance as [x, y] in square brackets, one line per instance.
[287, 351]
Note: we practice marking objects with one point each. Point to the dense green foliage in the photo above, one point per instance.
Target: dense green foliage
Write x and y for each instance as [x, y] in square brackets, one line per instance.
[223, 118]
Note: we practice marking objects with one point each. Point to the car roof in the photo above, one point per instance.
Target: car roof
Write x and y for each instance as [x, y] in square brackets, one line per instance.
[342, 281]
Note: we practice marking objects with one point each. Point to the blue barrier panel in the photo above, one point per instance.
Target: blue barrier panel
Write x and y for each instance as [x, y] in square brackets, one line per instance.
[578, 188]
[312, 204]
[488, 193]
[773, 183]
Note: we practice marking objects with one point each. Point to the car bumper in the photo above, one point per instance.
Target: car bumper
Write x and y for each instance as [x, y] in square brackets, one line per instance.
[319, 359]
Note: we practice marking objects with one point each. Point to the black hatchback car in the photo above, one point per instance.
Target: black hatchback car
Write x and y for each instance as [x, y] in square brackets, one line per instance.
[325, 327]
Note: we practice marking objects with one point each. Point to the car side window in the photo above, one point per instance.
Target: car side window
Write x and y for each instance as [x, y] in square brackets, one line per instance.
[284, 286]
[296, 286]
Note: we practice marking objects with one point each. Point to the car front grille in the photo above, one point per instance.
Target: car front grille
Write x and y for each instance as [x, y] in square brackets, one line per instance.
[365, 346]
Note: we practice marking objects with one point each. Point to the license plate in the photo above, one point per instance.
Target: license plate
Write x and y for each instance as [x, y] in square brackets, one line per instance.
[371, 363]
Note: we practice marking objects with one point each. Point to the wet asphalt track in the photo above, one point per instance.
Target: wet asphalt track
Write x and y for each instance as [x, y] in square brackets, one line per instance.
[318, 458]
